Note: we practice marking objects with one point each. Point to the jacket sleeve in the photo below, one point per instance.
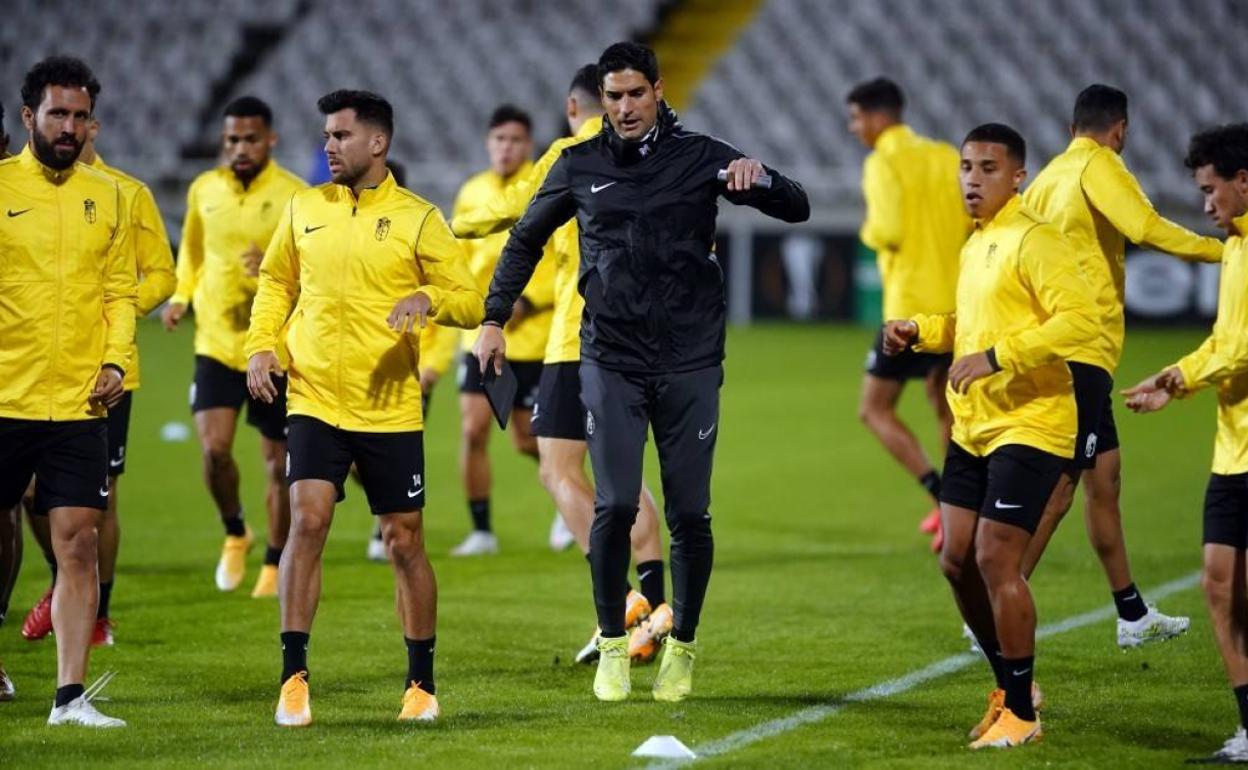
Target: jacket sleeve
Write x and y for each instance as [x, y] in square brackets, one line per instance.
[553, 205]
[504, 210]
[540, 292]
[277, 287]
[190, 251]
[1116, 193]
[1050, 272]
[120, 292]
[881, 227]
[786, 199]
[936, 332]
[444, 274]
[152, 252]
[1223, 354]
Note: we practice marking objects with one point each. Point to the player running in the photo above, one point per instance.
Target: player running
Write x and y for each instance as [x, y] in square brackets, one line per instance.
[645, 193]
[916, 224]
[231, 213]
[1023, 306]
[1088, 193]
[1219, 159]
[357, 265]
[67, 311]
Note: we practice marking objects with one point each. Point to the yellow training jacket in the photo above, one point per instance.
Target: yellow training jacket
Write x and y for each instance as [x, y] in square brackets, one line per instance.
[1090, 196]
[564, 343]
[152, 254]
[1222, 360]
[915, 221]
[1022, 294]
[222, 221]
[67, 287]
[343, 264]
[526, 338]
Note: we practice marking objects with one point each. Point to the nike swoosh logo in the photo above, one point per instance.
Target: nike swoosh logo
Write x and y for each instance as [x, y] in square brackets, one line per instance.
[116, 463]
[1020, 673]
[13, 213]
[1006, 506]
[1132, 596]
[103, 491]
[597, 188]
[414, 492]
[644, 575]
[307, 229]
[704, 434]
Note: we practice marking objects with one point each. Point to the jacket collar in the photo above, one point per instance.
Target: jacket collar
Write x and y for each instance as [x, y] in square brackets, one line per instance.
[892, 136]
[589, 127]
[1241, 224]
[629, 151]
[257, 183]
[370, 195]
[1011, 207]
[31, 163]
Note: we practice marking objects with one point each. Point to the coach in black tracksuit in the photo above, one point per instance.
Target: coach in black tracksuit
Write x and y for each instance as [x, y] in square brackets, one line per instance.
[652, 334]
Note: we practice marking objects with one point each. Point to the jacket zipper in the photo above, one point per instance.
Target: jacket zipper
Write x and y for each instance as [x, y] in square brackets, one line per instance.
[342, 300]
[60, 289]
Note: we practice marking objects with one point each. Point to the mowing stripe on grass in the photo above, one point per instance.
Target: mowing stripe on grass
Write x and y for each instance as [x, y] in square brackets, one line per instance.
[813, 714]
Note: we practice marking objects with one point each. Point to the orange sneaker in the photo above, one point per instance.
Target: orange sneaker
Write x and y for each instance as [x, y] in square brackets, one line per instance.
[418, 705]
[294, 707]
[930, 524]
[636, 609]
[647, 637]
[1009, 731]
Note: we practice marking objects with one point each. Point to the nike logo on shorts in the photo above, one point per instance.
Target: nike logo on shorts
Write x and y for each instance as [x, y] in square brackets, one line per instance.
[1005, 506]
[597, 188]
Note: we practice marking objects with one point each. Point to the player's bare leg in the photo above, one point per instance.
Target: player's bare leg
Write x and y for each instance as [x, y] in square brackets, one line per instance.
[277, 505]
[474, 470]
[74, 599]
[1055, 510]
[877, 409]
[416, 591]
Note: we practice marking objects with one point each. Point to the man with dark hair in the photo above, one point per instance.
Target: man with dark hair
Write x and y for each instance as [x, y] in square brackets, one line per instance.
[644, 193]
[1088, 193]
[231, 213]
[559, 415]
[1218, 158]
[67, 321]
[1022, 307]
[346, 253]
[509, 145]
[916, 224]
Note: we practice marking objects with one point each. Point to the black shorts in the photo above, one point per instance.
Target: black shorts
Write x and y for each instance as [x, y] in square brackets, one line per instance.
[1011, 485]
[218, 386]
[1094, 401]
[559, 412]
[528, 375]
[118, 422]
[69, 461]
[906, 365]
[391, 466]
[1226, 511]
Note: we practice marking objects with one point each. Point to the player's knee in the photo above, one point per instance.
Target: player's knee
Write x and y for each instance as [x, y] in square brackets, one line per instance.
[550, 474]
[689, 525]
[993, 563]
[307, 523]
[476, 434]
[78, 550]
[623, 513]
[217, 456]
[1217, 589]
[406, 543]
[952, 566]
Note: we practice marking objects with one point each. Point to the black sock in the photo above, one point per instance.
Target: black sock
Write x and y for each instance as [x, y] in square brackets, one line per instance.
[234, 526]
[1018, 675]
[272, 555]
[931, 482]
[294, 653]
[992, 652]
[480, 510]
[67, 693]
[106, 593]
[650, 576]
[1241, 699]
[1130, 604]
[420, 664]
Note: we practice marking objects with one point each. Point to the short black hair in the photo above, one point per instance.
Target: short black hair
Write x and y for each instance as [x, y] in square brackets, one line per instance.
[878, 95]
[369, 107]
[1098, 107]
[1223, 147]
[999, 133]
[249, 107]
[64, 71]
[510, 113]
[628, 56]
[586, 79]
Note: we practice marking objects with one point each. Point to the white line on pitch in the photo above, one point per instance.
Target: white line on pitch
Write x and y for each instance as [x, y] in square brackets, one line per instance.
[813, 714]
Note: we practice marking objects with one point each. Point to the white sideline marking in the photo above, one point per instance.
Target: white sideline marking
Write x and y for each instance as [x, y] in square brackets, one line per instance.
[813, 714]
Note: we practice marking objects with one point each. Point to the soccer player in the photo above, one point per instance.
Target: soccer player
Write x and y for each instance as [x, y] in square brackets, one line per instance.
[231, 213]
[11, 519]
[1088, 193]
[67, 312]
[509, 143]
[363, 263]
[558, 415]
[154, 261]
[645, 194]
[916, 224]
[1219, 159]
[1023, 306]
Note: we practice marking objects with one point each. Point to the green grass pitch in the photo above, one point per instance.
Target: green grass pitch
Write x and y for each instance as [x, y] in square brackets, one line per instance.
[822, 586]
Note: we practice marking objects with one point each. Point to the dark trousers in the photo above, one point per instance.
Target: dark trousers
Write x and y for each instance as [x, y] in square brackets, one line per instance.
[683, 410]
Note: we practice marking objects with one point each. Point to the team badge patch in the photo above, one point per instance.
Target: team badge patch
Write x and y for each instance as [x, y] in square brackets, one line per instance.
[88, 211]
[992, 253]
[383, 228]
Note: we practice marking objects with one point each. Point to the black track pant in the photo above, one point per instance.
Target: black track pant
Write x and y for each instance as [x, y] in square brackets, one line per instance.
[683, 409]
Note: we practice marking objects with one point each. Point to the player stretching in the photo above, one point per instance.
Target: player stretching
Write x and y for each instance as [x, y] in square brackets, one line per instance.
[1219, 159]
[231, 212]
[916, 224]
[1023, 306]
[362, 263]
[1088, 193]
